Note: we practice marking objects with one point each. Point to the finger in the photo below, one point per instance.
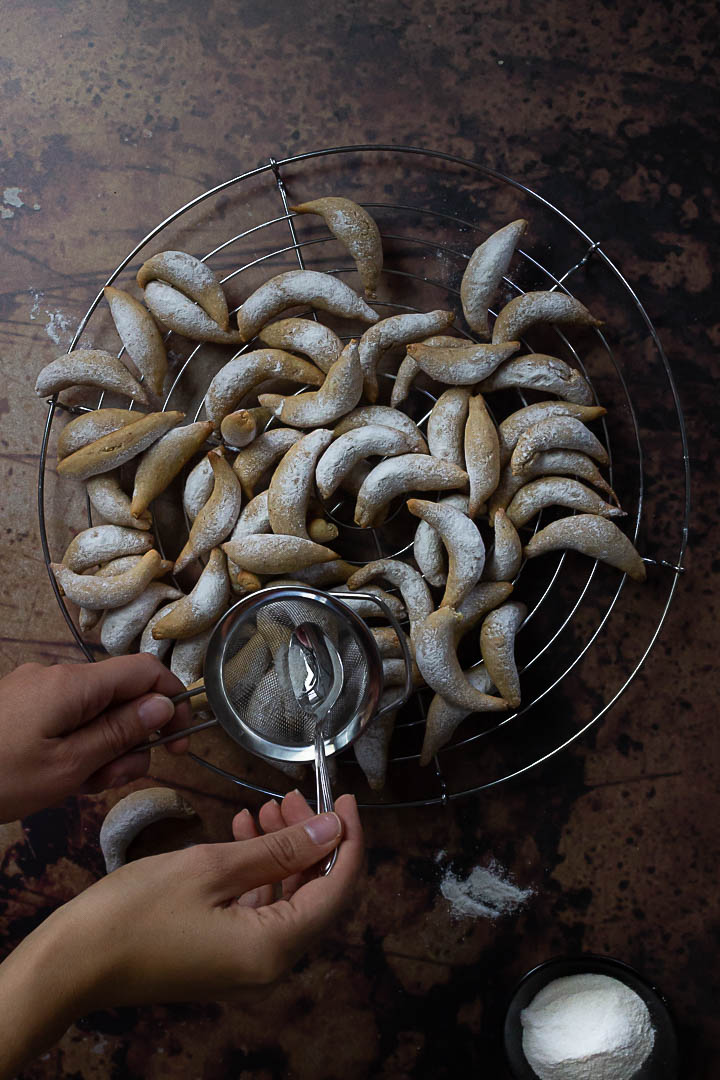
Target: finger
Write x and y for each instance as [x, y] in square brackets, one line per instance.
[99, 686]
[244, 828]
[113, 734]
[317, 903]
[270, 817]
[276, 855]
[294, 810]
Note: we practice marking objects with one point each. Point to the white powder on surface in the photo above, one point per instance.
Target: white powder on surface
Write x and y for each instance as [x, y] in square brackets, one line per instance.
[11, 197]
[486, 893]
[586, 1027]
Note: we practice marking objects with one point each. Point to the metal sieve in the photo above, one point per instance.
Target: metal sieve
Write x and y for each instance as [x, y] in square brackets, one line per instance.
[250, 686]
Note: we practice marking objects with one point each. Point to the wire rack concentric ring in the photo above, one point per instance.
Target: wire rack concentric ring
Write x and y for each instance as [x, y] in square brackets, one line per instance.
[588, 632]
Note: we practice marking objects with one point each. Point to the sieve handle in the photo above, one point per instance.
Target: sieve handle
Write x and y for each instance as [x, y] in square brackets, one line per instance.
[174, 736]
[407, 688]
[323, 791]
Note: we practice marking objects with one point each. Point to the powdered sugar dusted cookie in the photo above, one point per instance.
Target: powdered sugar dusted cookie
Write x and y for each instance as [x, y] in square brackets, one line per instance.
[354, 446]
[190, 276]
[396, 330]
[464, 545]
[540, 307]
[400, 475]
[356, 230]
[293, 483]
[309, 287]
[497, 644]
[216, 520]
[487, 266]
[319, 342]
[246, 371]
[594, 536]
[89, 367]
[339, 394]
[202, 607]
[139, 334]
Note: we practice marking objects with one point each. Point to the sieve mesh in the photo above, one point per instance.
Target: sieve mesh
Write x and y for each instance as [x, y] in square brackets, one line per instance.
[256, 679]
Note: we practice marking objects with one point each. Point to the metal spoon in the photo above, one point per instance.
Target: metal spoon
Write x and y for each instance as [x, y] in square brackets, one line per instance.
[316, 675]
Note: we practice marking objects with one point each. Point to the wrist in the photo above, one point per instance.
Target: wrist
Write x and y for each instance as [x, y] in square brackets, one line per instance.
[45, 984]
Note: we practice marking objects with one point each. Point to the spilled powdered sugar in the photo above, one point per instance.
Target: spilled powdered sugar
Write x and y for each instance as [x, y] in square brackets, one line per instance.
[487, 892]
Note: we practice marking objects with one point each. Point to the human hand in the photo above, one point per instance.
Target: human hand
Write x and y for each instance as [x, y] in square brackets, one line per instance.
[195, 924]
[67, 729]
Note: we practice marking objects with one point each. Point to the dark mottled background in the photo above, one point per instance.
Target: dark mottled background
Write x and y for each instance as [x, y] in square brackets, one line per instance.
[114, 114]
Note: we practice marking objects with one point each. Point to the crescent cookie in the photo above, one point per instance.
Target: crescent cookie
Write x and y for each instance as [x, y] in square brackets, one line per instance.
[183, 316]
[548, 463]
[111, 502]
[513, 426]
[446, 425]
[487, 266]
[89, 367]
[202, 607]
[540, 372]
[216, 519]
[131, 815]
[339, 393]
[399, 475]
[319, 342]
[276, 554]
[435, 655]
[594, 536]
[323, 291]
[159, 465]
[409, 369]
[482, 454]
[428, 549]
[557, 491]
[464, 544]
[98, 593]
[114, 449]
[460, 365]
[293, 483]
[497, 644]
[386, 417]
[415, 593]
[101, 543]
[443, 718]
[190, 276]
[354, 446]
[540, 307]
[92, 425]
[356, 230]
[553, 433]
[396, 330]
[246, 371]
[121, 626]
[140, 336]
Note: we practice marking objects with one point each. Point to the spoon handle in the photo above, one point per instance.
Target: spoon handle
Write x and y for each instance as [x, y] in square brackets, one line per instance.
[323, 789]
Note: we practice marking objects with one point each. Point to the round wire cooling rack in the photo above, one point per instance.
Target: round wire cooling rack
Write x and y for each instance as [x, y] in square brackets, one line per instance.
[587, 632]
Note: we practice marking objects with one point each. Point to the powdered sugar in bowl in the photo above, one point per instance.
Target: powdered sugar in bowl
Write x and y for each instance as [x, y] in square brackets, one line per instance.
[542, 1023]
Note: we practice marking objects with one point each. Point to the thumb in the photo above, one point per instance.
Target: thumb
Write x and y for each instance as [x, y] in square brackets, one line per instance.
[116, 731]
[274, 856]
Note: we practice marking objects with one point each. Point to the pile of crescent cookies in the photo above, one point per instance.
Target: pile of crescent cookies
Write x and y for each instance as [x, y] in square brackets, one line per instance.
[264, 468]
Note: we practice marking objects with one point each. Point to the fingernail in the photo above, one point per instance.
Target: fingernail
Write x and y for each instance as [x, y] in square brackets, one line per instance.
[155, 711]
[323, 828]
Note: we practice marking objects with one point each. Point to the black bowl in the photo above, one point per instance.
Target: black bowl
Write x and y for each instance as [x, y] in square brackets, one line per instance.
[661, 1063]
